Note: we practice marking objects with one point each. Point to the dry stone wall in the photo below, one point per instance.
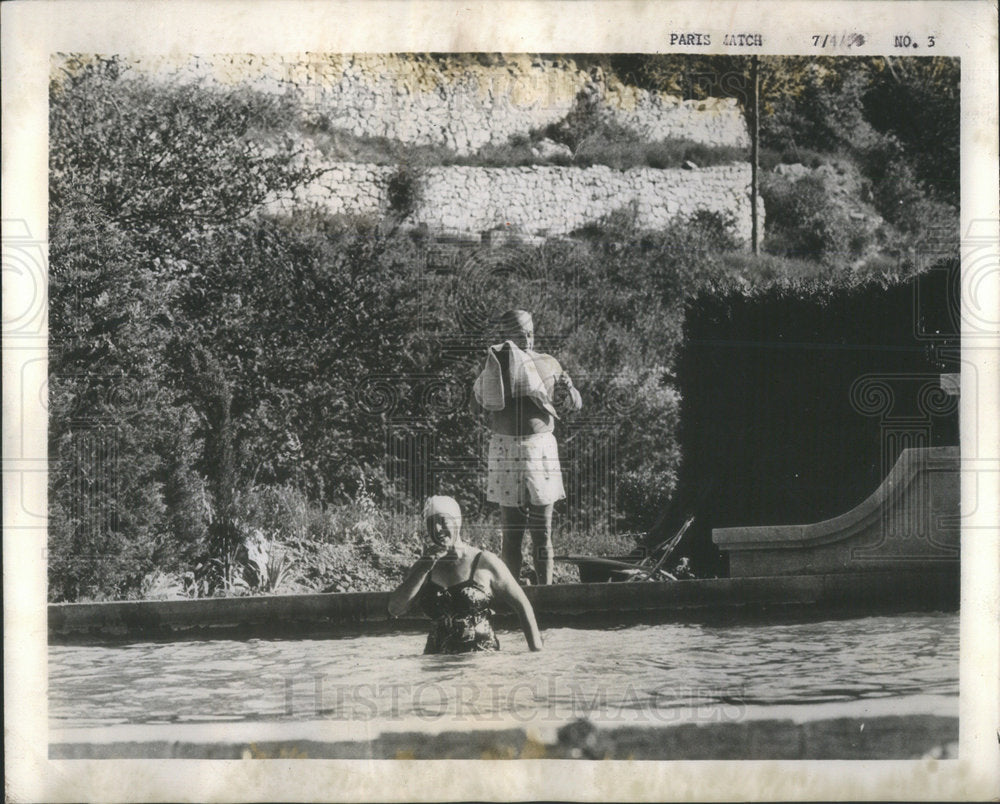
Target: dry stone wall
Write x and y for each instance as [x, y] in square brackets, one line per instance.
[465, 101]
[461, 101]
[538, 200]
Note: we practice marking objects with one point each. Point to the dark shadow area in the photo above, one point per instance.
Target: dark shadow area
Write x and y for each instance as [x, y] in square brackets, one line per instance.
[797, 400]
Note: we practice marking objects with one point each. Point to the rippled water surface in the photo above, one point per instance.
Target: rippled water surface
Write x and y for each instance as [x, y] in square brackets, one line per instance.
[660, 668]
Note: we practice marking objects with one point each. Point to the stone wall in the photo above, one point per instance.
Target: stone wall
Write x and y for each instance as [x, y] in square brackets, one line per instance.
[462, 101]
[539, 200]
[466, 101]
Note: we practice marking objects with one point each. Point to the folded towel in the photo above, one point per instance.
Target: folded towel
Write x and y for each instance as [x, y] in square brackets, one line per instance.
[525, 381]
[488, 387]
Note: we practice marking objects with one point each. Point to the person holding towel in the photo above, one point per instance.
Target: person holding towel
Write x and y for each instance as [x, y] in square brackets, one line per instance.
[519, 389]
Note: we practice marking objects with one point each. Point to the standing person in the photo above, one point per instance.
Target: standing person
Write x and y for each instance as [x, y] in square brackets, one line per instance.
[518, 388]
[456, 585]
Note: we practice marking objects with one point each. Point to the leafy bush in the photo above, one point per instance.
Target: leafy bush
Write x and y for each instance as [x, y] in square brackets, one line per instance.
[916, 102]
[803, 222]
[142, 179]
[403, 191]
[719, 228]
[901, 197]
[798, 217]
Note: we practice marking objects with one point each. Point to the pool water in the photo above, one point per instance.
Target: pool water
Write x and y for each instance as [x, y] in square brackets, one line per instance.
[655, 674]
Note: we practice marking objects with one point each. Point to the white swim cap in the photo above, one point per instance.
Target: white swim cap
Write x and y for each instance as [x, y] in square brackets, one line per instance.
[446, 506]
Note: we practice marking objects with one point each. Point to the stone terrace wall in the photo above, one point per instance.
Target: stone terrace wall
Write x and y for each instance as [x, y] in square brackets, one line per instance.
[461, 101]
[537, 200]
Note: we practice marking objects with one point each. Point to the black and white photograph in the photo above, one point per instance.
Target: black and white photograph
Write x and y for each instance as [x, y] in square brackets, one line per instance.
[483, 403]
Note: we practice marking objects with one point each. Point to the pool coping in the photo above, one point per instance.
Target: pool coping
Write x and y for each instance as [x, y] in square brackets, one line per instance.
[821, 595]
[908, 736]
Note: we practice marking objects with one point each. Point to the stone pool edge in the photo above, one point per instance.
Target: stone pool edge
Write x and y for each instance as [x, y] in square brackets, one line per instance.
[824, 595]
[912, 736]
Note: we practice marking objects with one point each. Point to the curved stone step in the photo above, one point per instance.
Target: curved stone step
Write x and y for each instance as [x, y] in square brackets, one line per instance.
[911, 520]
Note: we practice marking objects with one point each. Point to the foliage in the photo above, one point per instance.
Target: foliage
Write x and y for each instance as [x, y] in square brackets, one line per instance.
[718, 229]
[241, 401]
[109, 414]
[142, 179]
[917, 101]
[403, 192]
[602, 143]
[166, 162]
[803, 223]
[812, 108]
[159, 585]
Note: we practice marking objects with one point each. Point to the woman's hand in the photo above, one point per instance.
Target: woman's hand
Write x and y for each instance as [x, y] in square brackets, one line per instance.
[433, 553]
[403, 595]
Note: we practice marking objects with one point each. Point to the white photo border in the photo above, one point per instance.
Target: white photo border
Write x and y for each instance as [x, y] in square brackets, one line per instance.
[32, 31]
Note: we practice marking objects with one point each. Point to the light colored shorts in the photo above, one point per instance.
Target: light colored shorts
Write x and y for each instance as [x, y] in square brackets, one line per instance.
[523, 470]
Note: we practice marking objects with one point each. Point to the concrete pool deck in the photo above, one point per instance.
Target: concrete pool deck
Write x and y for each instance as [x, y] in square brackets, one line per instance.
[912, 736]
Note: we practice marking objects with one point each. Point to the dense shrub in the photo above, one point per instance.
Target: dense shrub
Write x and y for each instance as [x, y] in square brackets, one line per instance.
[719, 229]
[403, 192]
[799, 219]
[917, 102]
[901, 197]
[142, 179]
[109, 417]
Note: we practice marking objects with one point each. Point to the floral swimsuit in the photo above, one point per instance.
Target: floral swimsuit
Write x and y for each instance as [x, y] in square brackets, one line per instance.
[460, 616]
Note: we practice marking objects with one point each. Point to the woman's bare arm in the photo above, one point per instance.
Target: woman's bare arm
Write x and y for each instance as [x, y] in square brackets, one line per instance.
[403, 595]
[507, 590]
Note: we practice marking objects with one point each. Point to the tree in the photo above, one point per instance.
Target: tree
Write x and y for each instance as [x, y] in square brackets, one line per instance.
[917, 100]
[144, 177]
[107, 408]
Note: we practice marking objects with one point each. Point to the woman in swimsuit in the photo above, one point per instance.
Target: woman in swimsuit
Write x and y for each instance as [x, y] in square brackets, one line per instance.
[456, 585]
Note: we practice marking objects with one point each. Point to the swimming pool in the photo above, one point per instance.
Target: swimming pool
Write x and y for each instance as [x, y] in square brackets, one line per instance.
[358, 687]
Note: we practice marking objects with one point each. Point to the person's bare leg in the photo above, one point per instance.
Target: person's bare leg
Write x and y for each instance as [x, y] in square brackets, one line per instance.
[540, 527]
[512, 523]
